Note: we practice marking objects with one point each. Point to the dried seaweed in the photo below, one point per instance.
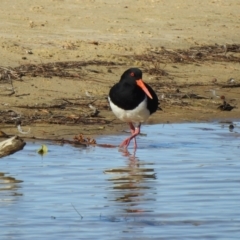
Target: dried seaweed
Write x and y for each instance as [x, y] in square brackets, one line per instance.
[70, 69]
[231, 86]
[90, 113]
[226, 53]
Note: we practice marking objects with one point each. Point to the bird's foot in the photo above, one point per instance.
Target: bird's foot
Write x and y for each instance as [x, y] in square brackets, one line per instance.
[124, 152]
[125, 143]
[134, 132]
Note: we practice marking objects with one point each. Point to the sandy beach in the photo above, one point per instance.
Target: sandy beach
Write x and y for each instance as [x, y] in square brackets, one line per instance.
[59, 59]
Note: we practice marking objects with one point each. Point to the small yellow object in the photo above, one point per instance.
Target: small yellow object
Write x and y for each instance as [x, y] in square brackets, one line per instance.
[43, 150]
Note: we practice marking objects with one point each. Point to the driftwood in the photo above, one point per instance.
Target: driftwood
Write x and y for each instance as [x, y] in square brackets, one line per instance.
[11, 145]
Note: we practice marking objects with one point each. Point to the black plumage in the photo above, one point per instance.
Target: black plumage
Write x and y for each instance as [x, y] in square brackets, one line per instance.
[127, 95]
[132, 101]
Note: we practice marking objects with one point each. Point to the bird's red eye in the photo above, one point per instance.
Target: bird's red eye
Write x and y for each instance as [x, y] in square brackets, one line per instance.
[132, 74]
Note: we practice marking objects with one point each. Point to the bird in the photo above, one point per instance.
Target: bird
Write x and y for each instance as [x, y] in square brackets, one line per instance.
[132, 101]
[225, 106]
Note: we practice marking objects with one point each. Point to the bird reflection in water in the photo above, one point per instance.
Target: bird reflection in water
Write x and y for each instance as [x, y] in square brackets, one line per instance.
[9, 187]
[133, 185]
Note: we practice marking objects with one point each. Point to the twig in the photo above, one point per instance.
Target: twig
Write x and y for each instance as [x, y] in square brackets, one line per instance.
[231, 86]
[77, 211]
[11, 82]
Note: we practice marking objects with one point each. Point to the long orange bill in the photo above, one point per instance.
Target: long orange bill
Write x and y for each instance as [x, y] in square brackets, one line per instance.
[141, 84]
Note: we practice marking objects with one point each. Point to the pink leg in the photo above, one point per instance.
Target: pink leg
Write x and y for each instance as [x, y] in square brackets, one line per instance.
[134, 133]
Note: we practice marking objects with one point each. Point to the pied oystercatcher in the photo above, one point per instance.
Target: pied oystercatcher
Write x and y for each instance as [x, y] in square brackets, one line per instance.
[132, 101]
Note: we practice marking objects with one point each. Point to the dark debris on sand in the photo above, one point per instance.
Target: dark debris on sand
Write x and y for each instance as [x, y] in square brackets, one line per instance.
[169, 93]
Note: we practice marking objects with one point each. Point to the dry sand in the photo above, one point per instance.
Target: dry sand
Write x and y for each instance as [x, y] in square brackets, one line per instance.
[107, 35]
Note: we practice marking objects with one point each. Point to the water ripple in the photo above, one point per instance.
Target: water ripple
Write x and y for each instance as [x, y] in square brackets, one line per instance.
[182, 183]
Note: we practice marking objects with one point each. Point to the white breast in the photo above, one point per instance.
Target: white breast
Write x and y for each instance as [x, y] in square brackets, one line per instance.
[139, 114]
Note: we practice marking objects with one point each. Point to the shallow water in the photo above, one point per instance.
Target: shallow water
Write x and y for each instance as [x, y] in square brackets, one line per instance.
[182, 184]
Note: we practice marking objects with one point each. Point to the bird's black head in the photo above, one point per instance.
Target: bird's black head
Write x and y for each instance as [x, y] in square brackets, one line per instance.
[133, 77]
[132, 73]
